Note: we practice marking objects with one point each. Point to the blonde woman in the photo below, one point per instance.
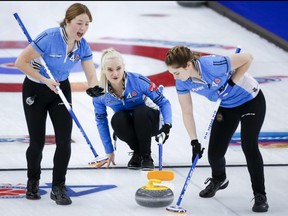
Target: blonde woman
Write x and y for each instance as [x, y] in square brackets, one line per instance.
[137, 104]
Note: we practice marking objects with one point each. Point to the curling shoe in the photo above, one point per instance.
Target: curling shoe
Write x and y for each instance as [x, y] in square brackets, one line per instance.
[147, 163]
[213, 187]
[261, 204]
[59, 195]
[32, 192]
[135, 161]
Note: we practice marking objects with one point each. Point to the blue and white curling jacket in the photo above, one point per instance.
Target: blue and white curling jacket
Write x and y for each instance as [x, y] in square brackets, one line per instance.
[52, 45]
[214, 72]
[139, 90]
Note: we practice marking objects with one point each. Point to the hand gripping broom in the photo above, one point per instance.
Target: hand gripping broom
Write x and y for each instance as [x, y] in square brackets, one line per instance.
[98, 161]
[177, 208]
[163, 175]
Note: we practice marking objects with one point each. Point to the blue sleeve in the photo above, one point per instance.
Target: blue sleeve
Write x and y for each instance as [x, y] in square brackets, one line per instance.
[102, 123]
[151, 90]
[180, 87]
[86, 50]
[40, 42]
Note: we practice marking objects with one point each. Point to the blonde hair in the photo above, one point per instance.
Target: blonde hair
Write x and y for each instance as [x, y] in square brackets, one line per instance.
[107, 54]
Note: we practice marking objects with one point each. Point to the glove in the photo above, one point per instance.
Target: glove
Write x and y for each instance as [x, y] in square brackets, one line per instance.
[196, 149]
[164, 132]
[95, 91]
[225, 89]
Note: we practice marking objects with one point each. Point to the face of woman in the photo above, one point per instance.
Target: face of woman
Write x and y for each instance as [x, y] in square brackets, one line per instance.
[78, 27]
[180, 73]
[114, 71]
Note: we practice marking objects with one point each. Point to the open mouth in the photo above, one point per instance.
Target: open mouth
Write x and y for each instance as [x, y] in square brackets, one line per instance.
[80, 35]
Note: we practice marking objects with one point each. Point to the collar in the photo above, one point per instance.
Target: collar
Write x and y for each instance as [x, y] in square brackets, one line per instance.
[197, 66]
[65, 38]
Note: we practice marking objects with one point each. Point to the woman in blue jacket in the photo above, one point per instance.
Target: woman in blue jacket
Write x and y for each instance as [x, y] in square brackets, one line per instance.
[139, 107]
[61, 47]
[242, 101]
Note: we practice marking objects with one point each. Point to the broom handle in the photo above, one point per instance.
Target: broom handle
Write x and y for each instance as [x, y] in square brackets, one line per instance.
[160, 155]
[160, 151]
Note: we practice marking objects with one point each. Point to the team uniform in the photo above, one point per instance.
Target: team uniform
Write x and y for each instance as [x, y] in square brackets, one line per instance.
[245, 103]
[137, 114]
[52, 46]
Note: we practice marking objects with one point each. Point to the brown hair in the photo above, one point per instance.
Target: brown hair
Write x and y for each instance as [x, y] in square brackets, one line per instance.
[179, 56]
[75, 10]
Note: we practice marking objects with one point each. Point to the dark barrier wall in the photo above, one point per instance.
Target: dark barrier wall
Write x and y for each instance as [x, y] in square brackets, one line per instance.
[269, 19]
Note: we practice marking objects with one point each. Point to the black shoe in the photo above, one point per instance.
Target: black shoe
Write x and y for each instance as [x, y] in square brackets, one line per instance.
[59, 194]
[147, 163]
[260, 204]
[135, 162]
[32, 191]
[213, 187]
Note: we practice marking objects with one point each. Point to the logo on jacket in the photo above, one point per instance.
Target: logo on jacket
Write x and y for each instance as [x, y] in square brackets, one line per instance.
[74, 58]
[55, 55]
[152, 87]
[132, 94]
[216, 82]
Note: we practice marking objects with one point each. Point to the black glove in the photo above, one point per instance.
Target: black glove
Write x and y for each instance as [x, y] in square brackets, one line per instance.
[95, 91]
[196, 149]
[164, 131]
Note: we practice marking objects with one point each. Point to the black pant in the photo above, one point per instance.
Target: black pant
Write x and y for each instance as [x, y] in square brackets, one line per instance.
[251, 115]
[136, 127]
[46, 101]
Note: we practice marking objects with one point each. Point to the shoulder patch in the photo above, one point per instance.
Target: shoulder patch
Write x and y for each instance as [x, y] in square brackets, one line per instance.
[153, 87]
